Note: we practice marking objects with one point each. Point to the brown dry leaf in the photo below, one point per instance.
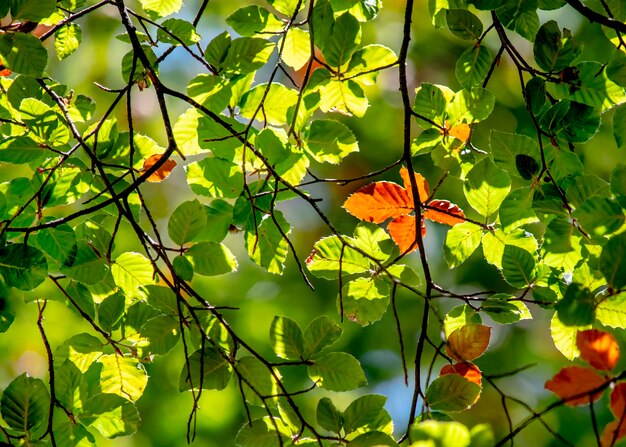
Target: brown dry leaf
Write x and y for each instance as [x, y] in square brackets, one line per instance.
[574, 385]
[162, 172]
[598, 348]
[468, 342]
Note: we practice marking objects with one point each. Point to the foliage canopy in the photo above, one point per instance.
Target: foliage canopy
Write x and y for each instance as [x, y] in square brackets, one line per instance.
[142, 261]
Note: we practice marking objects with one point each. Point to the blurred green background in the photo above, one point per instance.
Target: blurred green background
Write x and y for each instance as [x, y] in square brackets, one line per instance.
[260, 296]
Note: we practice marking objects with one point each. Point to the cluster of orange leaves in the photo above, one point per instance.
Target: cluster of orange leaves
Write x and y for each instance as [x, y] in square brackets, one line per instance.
[578, 385]
[380, 201]
[464, 345]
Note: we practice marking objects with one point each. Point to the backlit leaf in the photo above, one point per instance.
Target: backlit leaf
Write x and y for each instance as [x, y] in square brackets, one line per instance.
[337, 371]
[162, 172]
[402, 231]
[464, 369]
[420, 181]
[451, 392]
[575, 385]
[468, 342]
[450, 213]
[378, 202]
[598, 348]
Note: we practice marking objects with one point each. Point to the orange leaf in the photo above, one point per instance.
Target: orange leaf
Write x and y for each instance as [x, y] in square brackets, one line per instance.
[613, 432]
[464, 369]
[378, 202]
[422, 184]
[450, 213]
[402, 231]
[618, 401]
[599, 348]
[574, 384]
[4, 71]
[162, 172]
[461, 131]
[468, 342]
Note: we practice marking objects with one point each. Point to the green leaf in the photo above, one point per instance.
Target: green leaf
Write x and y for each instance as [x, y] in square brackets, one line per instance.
[219, 217]
[458, 317]
[187, 221]
[611, 311]
[81, 349]
[215, 177]
[600, 216]
[246, 54]
[494, 243]
[330, 141]
[473, 66]
[183, 268]
[162, 332]
[267, 245]
[268, 103]
[320, 334]
[613, 262]
[253, 20]
[471, 105]
[504, 309]
[130, 272]
[111, 415]
[82, 298]
[286, 338]
[328, 416]
[263, 433]
[182, 29]
[430, 102]
[132, 64]
[366, 414]
[31, 10]
[25, 403]
[577, 306]
[207, 369]
[564, 337]
[517, 209]
[88, 267]
[364, 300]
[441, 433]
[161, 8]
[67, 39]
[520, 16]
[342, 41]
[72, 434]
[572, 121]
[286, 7]
[346, 97]
[367, 61]
[585, 187]
[486, 186]
[518, 267]
[123, 376]
[328, 258]
[451, 393]
[536, 94]
[21, 150]
[374, 241]
[461, 241]
[110, 311]
[554, 52]
[517, 154]
[45, 124]
[373, 439]
[211, 259]
[22, 266]
[257, 380]
[464, 24]
[59, 243]
[619, 126]
[561, 246]
[296, 48]
[337, 371]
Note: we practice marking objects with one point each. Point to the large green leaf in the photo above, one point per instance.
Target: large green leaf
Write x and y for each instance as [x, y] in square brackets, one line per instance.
[67, 39]
[343, 39]
[612, 311]
[286, 338]
[328, 416]
[161, 8]
[330, 141]
[554, 52]
[267, 245]
[22, 266]
[111, 415]
[30, 10]
[364, 300]
[25, 403]
[518, 266]
[187, 221]
[441, 433]
[461, 241]
[215, 177]
[451, 393]
[258, 383]
[319, 334]
[486, 186]
[268, 103]
[473, 66]
[162, 332]
[504, 309]
[23, 53]
[131, 271]
[328, 259]
[517, 154]
[296, 48]
[206, 368]
[337, 371]
[252, 20]
[462, 23]
[613, 261]
[59, 243]
[123, 376]
[211, 258]
[367, 413]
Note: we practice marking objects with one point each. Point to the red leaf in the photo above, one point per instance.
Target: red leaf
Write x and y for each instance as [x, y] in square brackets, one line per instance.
[618, 401]
[422, 185]
[468, 342]
[4, 71]
[574, 384]
[162, 172]
[599, 348]
[613, 432]
[464, 369]
[402, 231]
[450, 213]
[378, 202]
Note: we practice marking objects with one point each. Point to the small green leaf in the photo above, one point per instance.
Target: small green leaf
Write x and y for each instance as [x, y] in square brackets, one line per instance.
[458, 317]
[182, 29]
[319, 334]
[612, 311]
[366, 414]
[554, 52]
[22, 266]
[161, 8]
[67, 39]
[518, 266]
[504, 309]
[215, 177]
[253, 20]
[328, 259]
[328, 416]
[517, 154]
[130, 272]
[461, 241]
[25, 403]
[268, 103]
[110, 311]
[267, 245]
[207, 368]
[536, 94]
[59, 243]
[451, 393]
[564, 337]
[486, 186]
[246, 54]
[286, 338]
[257, 381]
[183, 268]
[187, 221]
[211, 259]
[473, 66]
[364, 300]
[337, 371]
[330, 141]
[464, 24]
